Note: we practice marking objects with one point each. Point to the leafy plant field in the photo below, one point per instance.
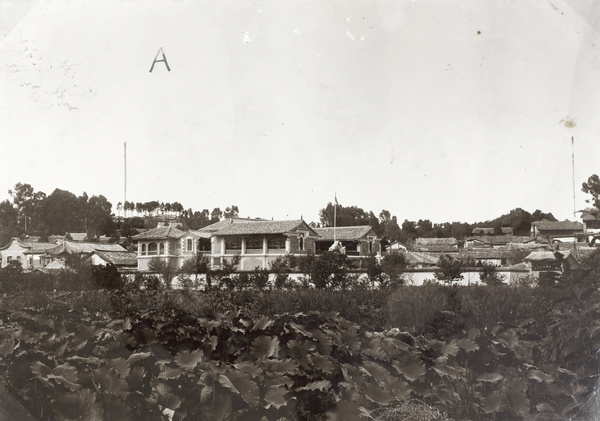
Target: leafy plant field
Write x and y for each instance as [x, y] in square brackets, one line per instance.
[174, 365]
[412, 353]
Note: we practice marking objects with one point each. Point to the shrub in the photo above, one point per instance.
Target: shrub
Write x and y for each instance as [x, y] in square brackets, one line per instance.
[259, 278]
[450, 270]
[374, 270]
[327, 267]
[107, 277]
[489, 276]
[11, 277]
[394, 265]
[161, 266]
[414, 308]
[243, 281]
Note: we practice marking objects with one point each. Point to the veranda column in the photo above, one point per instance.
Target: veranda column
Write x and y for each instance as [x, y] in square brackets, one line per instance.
[265, 251]
[243, 251]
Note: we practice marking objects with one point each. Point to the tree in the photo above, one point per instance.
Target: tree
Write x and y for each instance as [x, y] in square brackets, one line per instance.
[224, 272]
[409, 231]
[374, 270]
[198, 264]
[196, 220]
[394, 265]
[162, 267]
[231, 212]
[489, 275]
[326, 269]
[107, 277]
[425, 228]
[216, 215]
[11, 277]
[592, 187]
[346, 216]
[62, 212]
[450, 269]
[388, 226]
[97, 216]
[8, 222]
[29, 205]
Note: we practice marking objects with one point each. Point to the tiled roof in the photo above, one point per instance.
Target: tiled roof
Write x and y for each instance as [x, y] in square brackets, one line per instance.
[539, 255]
[418, 258]
[70, 247]
[38, 247]
[261, 227]
[558, 225]
[78, 236]
[159, 233]
[217, 226]
[344, 233]
[518, 266]
[30, 246]
[198, 234]
[436, 245]
[489, 253]
[500, 239]
[118, 258]
[590, 214]
[436, 241]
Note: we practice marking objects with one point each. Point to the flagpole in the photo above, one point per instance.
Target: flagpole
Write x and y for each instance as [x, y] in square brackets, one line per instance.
[574, 201]
[334, 217]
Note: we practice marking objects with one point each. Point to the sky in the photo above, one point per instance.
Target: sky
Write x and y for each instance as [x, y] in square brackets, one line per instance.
[442, 110]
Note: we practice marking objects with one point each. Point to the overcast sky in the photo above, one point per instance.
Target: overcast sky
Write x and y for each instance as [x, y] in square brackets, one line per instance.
[440, 110]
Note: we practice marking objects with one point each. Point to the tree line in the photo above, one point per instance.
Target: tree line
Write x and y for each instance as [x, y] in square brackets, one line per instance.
[31, 212]
[388, 226]
[35, 213]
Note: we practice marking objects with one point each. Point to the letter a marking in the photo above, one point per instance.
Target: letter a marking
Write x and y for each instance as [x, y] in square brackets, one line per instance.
[164, 59]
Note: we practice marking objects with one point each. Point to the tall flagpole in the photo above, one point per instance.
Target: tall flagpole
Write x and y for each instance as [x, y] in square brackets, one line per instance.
[334, 216]
[574, 205]
[124, 179]
[573, 165]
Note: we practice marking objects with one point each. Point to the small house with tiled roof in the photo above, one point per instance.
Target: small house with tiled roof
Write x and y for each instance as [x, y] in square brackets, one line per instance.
[448, 245]
[77, 248]
[590, 218]
[495, 241]
[124, 261]
[421, 260]
[563, 231]
[359, 240]
[259, 242]
[487, 256]
[31, 254]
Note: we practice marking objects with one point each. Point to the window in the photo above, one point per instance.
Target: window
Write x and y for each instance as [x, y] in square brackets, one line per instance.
[143, 249]
[204, 244]
[301, 243]
[254, 243]
[370, 246]
[152, 249]
[233, 244]
[162, 248]
[190, 244]
[277, 243]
